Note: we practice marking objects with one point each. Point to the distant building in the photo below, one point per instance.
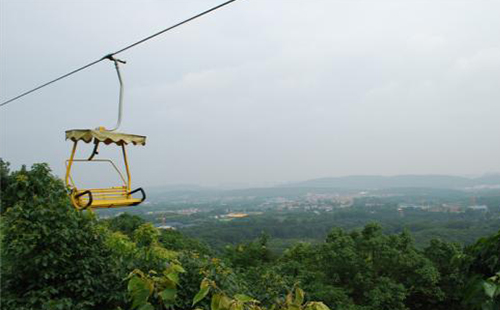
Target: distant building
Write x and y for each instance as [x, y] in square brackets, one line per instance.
[401, 212]
[478, 208]
[236, 215]
[167, 227]
[450, 208]
[455, 209]
[411, 206]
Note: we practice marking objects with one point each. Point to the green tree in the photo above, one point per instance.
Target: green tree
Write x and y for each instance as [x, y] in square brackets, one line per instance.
[366, 269]
[175, 240]
[53, 257]
[484, 258]
[4, 182]
[125, 223]
[251, 254]
[447, 258]
[483, 269]
[35, 186]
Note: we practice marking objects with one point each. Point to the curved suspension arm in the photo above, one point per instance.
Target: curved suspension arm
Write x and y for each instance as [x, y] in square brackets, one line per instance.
[120, 102]
[94, 151]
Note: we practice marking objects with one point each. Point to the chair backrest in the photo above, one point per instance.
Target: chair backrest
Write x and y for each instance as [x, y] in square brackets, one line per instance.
[124, 182]
[112, 193]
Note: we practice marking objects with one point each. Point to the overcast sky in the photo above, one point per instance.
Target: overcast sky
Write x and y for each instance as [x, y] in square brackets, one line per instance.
[261, 91]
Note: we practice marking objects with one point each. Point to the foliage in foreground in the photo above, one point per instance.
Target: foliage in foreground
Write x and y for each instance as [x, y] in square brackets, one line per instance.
[54, 257]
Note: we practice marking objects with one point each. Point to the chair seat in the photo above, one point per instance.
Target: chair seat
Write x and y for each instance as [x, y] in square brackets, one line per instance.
[113, 197]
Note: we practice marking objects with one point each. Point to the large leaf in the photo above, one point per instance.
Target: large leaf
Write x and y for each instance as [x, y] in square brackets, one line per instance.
[147, 306]
[236, 306]
[205, 283]
[174, 277]
[489, 288]
[139, 291]
[215, 303]
[317, 305]
[299, 296]
[168, 295]
[201, 294]
[243, 298]
[225, 302]
[178, 268]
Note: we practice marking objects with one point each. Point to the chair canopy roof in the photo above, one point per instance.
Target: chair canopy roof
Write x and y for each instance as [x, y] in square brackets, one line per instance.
[105, 136]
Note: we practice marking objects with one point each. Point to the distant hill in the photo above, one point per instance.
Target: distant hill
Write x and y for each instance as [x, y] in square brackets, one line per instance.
[400, 181]
[435, 185]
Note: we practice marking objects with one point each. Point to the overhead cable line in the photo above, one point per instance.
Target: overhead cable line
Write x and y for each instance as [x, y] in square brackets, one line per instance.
[110, 56]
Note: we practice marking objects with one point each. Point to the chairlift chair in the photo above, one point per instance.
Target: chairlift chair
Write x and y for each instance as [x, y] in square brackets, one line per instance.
[110, 197]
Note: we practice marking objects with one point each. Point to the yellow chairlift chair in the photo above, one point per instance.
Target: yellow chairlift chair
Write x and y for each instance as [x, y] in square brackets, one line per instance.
[112, 197]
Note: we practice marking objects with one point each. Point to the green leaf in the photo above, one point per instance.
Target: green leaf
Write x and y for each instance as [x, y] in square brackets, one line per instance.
[236, 306]
[201, 294]
[299, 296]
[489, 288]
[243, 298]
[168, 294]
[205, 283]
[147, 306]
[174, 277]
[320, 306]
[178, 268]
[215, 304]
[139, 291]
[225, 302]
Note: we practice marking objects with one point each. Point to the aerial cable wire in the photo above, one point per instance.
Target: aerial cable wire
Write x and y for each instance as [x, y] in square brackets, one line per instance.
[110, 56]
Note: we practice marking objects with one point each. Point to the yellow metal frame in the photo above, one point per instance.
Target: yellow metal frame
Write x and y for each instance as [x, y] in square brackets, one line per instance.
[104, 197]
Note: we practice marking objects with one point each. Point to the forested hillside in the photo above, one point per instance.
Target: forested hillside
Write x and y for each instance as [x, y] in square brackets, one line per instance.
[286, 228]
[54, 257]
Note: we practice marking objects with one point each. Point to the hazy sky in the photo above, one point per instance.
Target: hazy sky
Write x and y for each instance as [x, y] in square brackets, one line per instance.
[262, 90]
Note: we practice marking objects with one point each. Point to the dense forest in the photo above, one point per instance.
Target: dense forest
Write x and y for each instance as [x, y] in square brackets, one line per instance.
[54, 257]
[286, 228]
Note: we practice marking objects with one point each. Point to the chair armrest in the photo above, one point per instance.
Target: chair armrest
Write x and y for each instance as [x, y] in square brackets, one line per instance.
[142, 193]
[89, 202]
